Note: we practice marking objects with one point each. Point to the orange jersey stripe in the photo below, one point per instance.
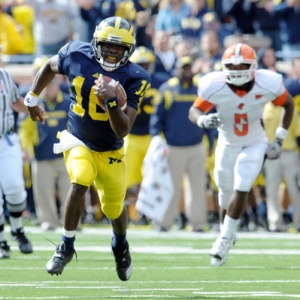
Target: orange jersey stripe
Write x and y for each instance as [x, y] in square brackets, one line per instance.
[281, 99]
[203, 104]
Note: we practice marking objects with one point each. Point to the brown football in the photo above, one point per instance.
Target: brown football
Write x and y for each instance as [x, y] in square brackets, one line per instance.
[121, 94]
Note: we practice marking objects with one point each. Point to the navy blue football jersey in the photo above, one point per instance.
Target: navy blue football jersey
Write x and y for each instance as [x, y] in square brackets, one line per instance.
[147, 105]
[88, 122]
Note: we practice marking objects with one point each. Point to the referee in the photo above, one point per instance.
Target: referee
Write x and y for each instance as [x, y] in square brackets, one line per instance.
[11, 165]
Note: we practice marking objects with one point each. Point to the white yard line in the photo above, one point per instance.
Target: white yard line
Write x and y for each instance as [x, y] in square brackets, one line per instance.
[127, 294]
[146, 233]
[170, 250]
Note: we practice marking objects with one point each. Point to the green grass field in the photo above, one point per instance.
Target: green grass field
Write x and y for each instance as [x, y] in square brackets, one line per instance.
[173, 265]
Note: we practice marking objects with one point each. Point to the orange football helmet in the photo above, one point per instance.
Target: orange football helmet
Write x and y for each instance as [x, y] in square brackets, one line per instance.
[235, 55]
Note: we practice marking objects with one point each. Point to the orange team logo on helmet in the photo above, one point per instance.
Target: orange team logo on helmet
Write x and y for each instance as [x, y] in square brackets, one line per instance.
[236, 55]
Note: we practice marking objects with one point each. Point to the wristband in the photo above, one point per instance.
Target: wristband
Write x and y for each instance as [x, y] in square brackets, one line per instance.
[112, 103]
[281, 133]
[31, 99]
[200, 120]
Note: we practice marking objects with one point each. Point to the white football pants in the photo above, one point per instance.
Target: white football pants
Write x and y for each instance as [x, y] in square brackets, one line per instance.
[236, 168]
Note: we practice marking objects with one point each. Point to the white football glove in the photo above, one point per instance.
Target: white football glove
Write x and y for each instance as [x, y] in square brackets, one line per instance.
[274, 150]
[209, 121]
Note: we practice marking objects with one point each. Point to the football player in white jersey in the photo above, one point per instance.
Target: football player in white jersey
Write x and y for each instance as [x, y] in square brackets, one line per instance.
[239, 92]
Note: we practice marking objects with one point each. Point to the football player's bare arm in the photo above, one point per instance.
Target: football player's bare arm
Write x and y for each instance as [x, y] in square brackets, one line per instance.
[289, 111]
[120, 121]
[194, 114]
[45, 75]
[41, 80]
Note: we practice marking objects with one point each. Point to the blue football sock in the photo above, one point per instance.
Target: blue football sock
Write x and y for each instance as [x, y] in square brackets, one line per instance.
[118, 242]
[69, 242]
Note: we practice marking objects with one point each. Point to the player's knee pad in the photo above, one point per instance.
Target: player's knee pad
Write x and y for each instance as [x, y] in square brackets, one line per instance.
[112, 210]
[16, 202]
[224, 180]
[81, 166]
[244, 180]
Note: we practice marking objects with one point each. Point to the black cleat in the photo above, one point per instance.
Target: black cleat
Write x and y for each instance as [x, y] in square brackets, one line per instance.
[23, 242]
[123, 263]
[4, 250]
[59, 260]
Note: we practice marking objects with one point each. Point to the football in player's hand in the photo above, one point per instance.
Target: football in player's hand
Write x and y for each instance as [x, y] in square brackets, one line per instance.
[120, 93]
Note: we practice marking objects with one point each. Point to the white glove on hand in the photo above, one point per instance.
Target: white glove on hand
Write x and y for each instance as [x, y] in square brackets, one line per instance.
[274, 150]
[209, 121]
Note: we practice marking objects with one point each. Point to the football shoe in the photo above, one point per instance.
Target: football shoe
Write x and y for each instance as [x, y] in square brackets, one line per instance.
[19, 236]
[59, 260]
[4, 250]
[220, 249]
[123, 263]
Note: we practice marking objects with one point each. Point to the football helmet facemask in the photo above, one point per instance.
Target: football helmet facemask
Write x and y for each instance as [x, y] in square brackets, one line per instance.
[236, 55]
[113, 30]
[144, 56]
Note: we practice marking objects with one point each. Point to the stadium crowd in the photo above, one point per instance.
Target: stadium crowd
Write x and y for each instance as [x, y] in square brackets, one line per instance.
[177, 42]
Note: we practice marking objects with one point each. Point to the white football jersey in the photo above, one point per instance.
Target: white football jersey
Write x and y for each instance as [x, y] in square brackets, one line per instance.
[240, 112]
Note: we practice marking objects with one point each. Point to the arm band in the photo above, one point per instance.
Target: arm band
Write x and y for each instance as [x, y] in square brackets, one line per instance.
[112, 103]
[281, 133]
[31, 99]
[200, 119]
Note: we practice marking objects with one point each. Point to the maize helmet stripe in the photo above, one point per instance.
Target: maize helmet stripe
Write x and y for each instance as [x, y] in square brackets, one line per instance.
[120, 24]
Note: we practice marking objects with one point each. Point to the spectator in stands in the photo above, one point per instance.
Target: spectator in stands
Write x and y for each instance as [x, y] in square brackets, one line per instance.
[165, 55]
[266, 24]
[182, 48]
[11, 40]
[217, 6]
[23, 15]
[267, 59]
[289, 14]
[186, 150]
[170, 15]
[94, 11]
[129, 9]
[47, 168]
[240, 12]
[211, 22]
[55, 24]
[210, 53]
[292, 82]
[191, 23]
[145, 29]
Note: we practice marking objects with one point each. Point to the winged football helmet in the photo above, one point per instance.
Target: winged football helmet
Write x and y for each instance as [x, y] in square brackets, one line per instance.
[113, 30]
[144, 56]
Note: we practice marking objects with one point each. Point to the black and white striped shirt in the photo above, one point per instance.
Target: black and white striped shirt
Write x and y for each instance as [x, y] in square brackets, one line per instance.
[9, 94]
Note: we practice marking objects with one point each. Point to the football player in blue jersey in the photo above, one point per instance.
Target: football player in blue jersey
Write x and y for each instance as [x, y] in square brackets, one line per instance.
[138, 140]
[93, 149]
